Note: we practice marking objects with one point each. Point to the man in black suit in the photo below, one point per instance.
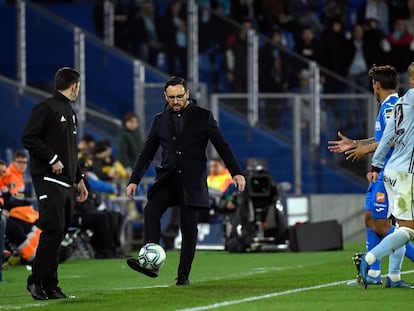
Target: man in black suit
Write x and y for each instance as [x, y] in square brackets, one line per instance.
[182, 130]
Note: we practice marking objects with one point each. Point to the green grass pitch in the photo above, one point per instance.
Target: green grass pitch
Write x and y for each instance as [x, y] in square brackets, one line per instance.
[219, 281]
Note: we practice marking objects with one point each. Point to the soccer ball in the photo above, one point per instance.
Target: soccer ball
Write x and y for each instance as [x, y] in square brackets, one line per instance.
[151, 256]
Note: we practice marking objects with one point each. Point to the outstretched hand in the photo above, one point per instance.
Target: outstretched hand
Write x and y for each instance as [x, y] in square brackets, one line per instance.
[342, 145]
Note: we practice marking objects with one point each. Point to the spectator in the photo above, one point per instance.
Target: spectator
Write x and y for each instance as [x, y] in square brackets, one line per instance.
[375, 9]
[243, 9]
[357, 71]
[106, 225]
[333, 54]
[3, 167]
[399, 47]
[105, 166]
[373, 37]
[13, 180]
[273, 77]
[336, 9]
[306, 46]
[144, 35]
[271, 12]
[176, 38]
[236, 58]
[129, 141]
[120, 22]
[86, 144]
[304, 13]
[21, 218]
[109, 169]
[410, 16]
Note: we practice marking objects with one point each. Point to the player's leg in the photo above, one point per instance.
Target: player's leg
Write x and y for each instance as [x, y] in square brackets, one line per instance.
[372, 238]
[409, 251]
[399, 189]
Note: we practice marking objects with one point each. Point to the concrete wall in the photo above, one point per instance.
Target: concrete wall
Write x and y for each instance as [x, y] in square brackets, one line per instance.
[347, 209]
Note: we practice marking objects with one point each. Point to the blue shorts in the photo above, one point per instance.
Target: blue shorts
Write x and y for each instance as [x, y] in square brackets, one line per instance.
[376, 200]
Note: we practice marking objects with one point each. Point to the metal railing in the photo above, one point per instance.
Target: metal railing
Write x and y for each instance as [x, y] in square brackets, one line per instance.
[292, 118]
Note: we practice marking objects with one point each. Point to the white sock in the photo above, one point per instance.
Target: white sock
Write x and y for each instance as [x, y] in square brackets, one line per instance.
[374, 273]
[395, 277]
[370, 258]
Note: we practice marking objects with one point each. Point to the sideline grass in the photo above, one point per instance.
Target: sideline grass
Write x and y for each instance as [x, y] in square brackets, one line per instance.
[219, 280]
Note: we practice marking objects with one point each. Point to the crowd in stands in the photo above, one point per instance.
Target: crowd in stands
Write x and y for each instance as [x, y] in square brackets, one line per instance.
[105, 177]
[346, 37]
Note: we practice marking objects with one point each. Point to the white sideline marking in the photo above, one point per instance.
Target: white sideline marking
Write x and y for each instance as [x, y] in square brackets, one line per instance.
[271, 295]
[253, 298]
[27, 305]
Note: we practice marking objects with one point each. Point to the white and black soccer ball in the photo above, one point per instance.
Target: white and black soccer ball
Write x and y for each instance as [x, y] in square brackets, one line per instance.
[151, 256]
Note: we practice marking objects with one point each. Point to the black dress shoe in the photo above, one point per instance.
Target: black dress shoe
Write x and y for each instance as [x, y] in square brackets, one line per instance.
[37, 291]
[182, 282]
[56, 294]
[134, 264]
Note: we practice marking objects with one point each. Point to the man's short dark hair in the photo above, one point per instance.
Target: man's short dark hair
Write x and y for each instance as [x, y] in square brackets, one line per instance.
[175, 80]
[386, 75]
[65, 77]
[2, 162]
[19, 154]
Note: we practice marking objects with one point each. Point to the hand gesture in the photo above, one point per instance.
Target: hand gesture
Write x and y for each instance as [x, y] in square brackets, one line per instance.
[340, 146]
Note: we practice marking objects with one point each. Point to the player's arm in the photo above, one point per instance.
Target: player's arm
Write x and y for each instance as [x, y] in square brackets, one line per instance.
[361, 151]
[364, 142]
[345, 143]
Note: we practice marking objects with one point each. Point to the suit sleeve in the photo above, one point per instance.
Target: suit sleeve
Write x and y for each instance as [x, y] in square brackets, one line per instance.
[146, 155]
[34, 132]
[223, 147]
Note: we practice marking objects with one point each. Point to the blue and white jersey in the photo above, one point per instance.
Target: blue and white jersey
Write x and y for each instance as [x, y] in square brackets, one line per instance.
[383, 117]
[401, 132]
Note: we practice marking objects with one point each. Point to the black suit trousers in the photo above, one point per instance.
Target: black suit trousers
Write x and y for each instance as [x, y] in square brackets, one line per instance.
[171, 194]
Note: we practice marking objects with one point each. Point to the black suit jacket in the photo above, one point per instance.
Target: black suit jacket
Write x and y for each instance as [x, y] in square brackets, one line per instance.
[184, 153]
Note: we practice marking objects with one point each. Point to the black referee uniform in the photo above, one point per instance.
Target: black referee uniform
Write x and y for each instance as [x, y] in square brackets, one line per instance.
[50, 136]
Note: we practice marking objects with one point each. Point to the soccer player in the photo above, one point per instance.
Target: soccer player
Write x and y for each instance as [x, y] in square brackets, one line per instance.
[377, 216]
[398, 179]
